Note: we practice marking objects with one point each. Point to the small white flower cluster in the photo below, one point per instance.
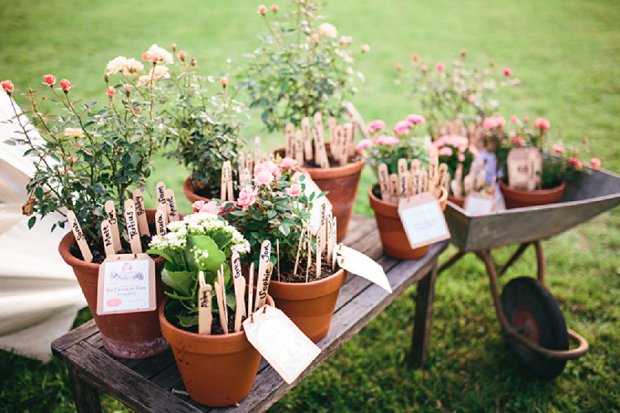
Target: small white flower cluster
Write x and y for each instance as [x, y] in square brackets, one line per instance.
[201, 257]
[121, 64]
[172, 240]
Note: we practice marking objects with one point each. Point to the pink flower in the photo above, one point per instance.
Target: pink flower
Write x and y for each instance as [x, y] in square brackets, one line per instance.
[49, 80]
[445, 151]
[262, 9]
[8, 87]
[518, 141]
[224, 81]
[65, 85]
[398, 67]
[387, 140]
[71, 159]
[365, 48]
[542, 123]
[288, 163]
[493, 122]
[557, 149]
[268, 166]
[376, 125]
[294, 190]
[416, 119]
[364, 144]
[415, 57]
[182, 55]
[111, 91]
[461, 157]
[197, 206]
[247, 197]
[514, 119]
[575, 163]
[402, 127]
[211, 207]
[507, 71]
[127, 88]
[264, 177]
[440, 67]
[275, 8]
[595, 163]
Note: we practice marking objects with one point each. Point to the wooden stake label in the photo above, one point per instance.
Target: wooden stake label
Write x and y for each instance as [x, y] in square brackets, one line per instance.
[415, 166]
[433, 167]
[264, 274]
[132, 227]
[423, 220]
[331, 122]
[79, 236]
[361, 265]
[240, 300]
[143, 224]
[404, 184]
[289, 133]
[384, 182]
[334, 229]
[160, 222]
[205, 317]
[220, 295]
[257, 149]
[173, 212]
[250, 289]
[239, 284]
[110, 211]
[402, 166]
[280, 342]
[299, 148]
[307, 137]
[161, 194]
[394, 188]
[126, 284]
[106, 234]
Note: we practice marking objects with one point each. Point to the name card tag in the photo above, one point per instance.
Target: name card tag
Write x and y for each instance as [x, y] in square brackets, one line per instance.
[362, 265]
[126, 284]
[423, 220]
[280, 342]
[479, 204]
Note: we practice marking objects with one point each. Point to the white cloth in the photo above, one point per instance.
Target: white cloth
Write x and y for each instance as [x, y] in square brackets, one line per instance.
[39, 295]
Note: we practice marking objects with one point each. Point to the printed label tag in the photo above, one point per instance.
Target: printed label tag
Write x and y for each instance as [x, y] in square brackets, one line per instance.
[280, 342]
[524, 168]
[362, 265]
[126, 284]
[479, 204]
[423, 220]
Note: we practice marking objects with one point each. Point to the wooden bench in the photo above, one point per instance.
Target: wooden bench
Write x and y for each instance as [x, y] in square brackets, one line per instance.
[154, 384]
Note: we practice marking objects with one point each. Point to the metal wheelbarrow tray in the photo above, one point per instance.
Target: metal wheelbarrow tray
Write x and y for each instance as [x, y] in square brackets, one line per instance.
[529, 315]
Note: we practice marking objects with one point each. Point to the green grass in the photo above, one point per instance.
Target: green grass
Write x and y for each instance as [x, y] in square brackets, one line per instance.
[567, 54]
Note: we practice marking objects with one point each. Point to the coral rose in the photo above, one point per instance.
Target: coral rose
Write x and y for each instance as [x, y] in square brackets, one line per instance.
[542, 123]
[595, 163]
[7, 86]
[65, 85]
[49, 80]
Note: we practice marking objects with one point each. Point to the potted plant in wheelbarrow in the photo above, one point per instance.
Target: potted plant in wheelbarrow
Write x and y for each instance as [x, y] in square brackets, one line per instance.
[90, 159]
[300, 77]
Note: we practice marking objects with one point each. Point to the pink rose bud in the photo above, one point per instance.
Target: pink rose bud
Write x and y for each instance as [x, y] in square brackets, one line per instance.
[415, 57]
[288, 163]
[211, 207]
[364, 144]
[127, 88]
[197, 206]
[49, 80]
[574, 162]
[595, 163]
[365, 48]
[387, 140]
[110, 92]
[557, 149]
[518, 141]
[376, 125]
[247, 197]
[542, 123]
[514, 119]
[182, 54]
[275, 8]
[507, 71]
[416, 119]
[65, 85]
[440, 67]
[71, 159]
[263, 177]
[262, 9]
[224, 81]
[294, 190]
[402, 127]
[7, 86]
[398, 67]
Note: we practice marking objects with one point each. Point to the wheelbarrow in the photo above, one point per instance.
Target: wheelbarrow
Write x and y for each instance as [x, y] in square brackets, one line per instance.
[530, 317]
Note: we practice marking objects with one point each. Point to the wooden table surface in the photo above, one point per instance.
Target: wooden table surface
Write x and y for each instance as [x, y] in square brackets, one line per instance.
[152, 385]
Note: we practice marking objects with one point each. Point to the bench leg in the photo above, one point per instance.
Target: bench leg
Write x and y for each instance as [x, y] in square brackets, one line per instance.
[85, 396]
[423, 315]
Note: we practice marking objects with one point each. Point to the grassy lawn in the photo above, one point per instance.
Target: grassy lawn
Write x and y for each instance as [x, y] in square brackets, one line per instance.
[567, 54]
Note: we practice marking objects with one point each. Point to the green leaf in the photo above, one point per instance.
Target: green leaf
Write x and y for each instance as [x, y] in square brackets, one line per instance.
[181, 281]
[31, 222]
[216, 257]
[162, 253]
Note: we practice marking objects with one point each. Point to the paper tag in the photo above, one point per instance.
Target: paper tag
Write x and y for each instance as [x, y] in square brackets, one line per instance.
[317, 202]
[423, 220]
[477, 203]
[126, 284]
[362, 265]
[143, 224]
[280, 342]
[524, 168]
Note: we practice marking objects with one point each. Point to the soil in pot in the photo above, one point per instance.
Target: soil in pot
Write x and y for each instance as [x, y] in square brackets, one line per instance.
[133, 335]
[516, 198]
[217, 369]
[393, 237]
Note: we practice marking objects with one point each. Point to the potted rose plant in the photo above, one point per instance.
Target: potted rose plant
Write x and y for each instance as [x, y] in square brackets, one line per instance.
[92, 154]
[458, 154]
[388, 150]
[204, 242]
[303, 69]
[276, 207]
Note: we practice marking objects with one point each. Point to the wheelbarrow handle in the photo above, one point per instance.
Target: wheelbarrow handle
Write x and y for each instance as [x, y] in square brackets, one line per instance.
[571, 354]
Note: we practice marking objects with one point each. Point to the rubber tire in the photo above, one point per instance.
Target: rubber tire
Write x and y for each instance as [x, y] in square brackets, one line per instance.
[527, 295]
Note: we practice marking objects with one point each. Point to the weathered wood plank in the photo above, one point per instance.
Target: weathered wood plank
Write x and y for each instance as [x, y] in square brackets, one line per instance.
[86, 398]
[74, 336]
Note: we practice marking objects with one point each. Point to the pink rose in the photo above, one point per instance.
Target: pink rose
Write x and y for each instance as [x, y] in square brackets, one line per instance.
[65, 85]
[224, 81]
[262, 9]
[182, 55]
[493, 122]
[557, 149]
[364, 144]
[288, 163]
[455, 140]
[445, 151]
[575, 163]
[264, 177]
[72, 159]
[518, 141]
[211, 207]
[440, 67]
[514, 119]
[8, 87]
[595, 163]
[402, 127]
[415, 57]
[387, 140]
[542, 123]
[507, 71]
[110, 92]
[416, 119]
[49, 80]
[294, 190]
[376, 125]
[275, 8]
[247, 198]
[127, 88]
[197, 206]
[268, 166]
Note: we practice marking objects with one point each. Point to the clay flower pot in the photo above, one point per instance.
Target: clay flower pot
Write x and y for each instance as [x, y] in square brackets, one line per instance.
[310, 305]
[190, 191]
[516, 198]
[393, 236]
[129, 336]
[217, 370]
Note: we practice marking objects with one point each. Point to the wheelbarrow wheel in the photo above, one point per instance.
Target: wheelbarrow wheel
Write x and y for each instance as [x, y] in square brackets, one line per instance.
[531, 310]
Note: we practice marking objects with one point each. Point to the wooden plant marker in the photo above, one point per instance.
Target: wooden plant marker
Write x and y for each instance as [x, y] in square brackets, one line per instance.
[299, 148]
[394, 188]
[535, 170]
[307, 139]
[404, 184]
[110, 211]
[309, 262]
[458, 175]
[338, 141]
[402, 166]
[250, 307]
[238, 283]
[481, 178]
[289, 136]
[79, 236]
[171, 202]
[319, 142]
[264, 274]
[384, 182]
[143, 224]
[416, 183]
[106, 234]
[226, 193]
[131, 223]
[160, 190]
[257, 149]
[221, 305]
[331, 122]
[415, 166]
[347, 143]
[320, 239]
[160, 222]
[468, 183]
[205, 318]
[456, 188]
[433, 167]
[334, 237]
[423, 180]
[443, 171]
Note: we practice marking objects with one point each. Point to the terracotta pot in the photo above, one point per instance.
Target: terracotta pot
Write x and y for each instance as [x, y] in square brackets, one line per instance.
[189, 191]
[310, 305]
[217, 370]
[457, 201]
[130, 336]
[393, 236]
[516, 198]
[341, 183]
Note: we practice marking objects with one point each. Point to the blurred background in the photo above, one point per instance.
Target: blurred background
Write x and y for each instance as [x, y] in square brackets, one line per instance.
[567, 56]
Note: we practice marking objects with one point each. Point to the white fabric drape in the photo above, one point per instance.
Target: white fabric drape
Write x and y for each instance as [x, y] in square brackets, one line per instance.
[39, 295]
